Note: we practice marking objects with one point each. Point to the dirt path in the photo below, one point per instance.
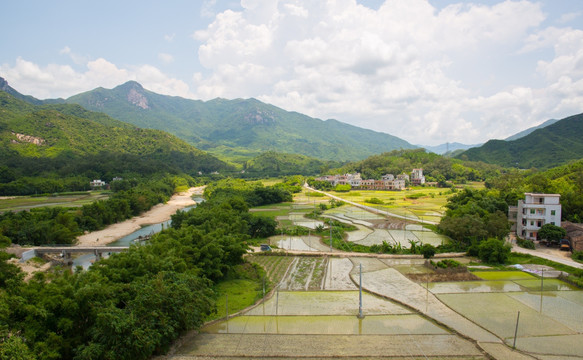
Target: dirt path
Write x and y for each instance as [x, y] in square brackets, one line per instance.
[548, 255]
[157, 214]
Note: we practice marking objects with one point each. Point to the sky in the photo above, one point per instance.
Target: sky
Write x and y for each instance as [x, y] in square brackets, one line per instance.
[427, 71]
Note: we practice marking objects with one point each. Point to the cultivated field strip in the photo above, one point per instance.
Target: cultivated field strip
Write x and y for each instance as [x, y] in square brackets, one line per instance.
[294, 272]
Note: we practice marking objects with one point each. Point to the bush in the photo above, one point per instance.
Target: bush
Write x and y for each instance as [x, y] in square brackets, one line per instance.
[374, 201]
[577, 255]
[525, 243]
[446, 264]
[428, 251]
[493, 251]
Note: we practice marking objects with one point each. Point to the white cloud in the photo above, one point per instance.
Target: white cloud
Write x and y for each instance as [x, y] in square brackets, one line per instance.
[63, 81]
[169, 37]
[166, 58]
[388, 69]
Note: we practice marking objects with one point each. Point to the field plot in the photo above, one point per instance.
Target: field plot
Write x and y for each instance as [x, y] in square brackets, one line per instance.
[287, 242]
[339, 303]
[275, 266]
[338, 274]
[418, 203]
[551, 320]
[19, 203]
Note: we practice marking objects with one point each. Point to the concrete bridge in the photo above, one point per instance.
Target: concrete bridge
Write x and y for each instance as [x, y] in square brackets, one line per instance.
[66, 251]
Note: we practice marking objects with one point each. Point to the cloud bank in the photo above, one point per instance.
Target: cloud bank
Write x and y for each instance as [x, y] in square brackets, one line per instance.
[465, 72]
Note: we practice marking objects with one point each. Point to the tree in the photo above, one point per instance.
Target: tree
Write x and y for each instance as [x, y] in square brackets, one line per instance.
[551, 232]
[493, 251]
[428, 251]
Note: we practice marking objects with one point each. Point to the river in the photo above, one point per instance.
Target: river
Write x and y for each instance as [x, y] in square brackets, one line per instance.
[86, 260]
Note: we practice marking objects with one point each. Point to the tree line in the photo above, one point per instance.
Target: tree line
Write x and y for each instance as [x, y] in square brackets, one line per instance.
[133, 304]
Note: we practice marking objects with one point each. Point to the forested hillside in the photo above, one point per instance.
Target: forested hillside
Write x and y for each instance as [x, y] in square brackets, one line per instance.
[277, 164]
[238, 129]
[435, 167]
[544, 148]
[59, 141]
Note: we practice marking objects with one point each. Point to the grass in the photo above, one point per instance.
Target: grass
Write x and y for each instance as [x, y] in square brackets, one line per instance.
[77, 199]
[425, 203]
[241, 293]
[575, 275]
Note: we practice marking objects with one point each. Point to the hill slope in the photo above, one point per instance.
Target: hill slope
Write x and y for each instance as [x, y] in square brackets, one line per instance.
[62, 136]
[547, 147]
[523, 133]
[238, 128]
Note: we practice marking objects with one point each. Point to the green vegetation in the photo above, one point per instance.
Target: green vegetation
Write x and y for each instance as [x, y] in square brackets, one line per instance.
[525, 243]
[135, 303]
[473, 216]
[239, 129]
[436, 168]
[566, 180]
[494, 251]
[575, 276]
[544, 148]
[61, 225]
[59, 148]
[272, 163]
[446, 264]
[551, 232]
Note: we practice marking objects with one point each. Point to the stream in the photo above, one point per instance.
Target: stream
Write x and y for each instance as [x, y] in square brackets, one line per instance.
[86, 260]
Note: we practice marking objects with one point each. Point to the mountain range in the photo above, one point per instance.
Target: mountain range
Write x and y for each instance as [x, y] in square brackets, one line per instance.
[37, 138]
[242, 129]
[546, 147]
[238, 129]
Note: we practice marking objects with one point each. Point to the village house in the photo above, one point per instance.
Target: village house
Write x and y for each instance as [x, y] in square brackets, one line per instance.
[97, 184]
[387, 182]
[417, 177]
[533, 212]
[574, 235]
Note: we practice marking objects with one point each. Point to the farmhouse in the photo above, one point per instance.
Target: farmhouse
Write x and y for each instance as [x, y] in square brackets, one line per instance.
[533, 212]
[387, 182]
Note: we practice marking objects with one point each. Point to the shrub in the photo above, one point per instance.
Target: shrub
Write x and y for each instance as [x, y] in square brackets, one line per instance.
[374, 201]
[428, 251]
[446, 264]
[577, 255]
[525, 243]
[493, 251]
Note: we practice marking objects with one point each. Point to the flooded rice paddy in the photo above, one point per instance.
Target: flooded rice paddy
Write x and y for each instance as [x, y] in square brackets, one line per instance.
[303, 320]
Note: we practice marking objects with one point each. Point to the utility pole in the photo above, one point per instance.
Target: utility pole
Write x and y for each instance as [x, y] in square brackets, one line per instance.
[360, 316]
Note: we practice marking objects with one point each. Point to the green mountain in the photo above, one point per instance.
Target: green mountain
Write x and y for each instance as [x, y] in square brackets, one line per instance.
[544, 148]
[523, 133]
[69, 139]
[238, 129]
[276, 164]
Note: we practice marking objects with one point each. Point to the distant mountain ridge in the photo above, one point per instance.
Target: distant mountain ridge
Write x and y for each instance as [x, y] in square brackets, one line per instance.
[68, 134]
[238, 128]
[543, 148]
[523, 133]
[448, 147]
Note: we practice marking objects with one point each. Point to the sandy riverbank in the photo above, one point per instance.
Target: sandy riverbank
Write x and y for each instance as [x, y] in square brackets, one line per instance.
[157, 214]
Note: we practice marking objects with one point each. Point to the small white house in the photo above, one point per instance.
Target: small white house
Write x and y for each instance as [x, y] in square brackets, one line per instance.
[97, 183]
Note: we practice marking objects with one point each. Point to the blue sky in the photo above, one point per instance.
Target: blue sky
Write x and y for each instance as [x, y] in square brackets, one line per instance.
[427, 71]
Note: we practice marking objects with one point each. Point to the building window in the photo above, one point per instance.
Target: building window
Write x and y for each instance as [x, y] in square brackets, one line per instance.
[552, 223]
[532, 211]
[531, 222]
[553, 212]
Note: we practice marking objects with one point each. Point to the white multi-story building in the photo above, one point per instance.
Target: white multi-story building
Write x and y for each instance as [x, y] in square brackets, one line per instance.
[417, 177]
[535, 211]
